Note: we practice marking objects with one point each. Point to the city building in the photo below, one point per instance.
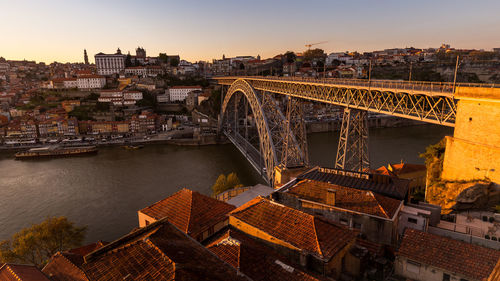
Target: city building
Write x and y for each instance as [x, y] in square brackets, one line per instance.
[414, 172]
[255, 259]
[158, 251]
[374, 215]
[307, 240]
[428, 257]
[89, 82]
[195, 214]
[21, 272]
[179, 93]
[109, 64]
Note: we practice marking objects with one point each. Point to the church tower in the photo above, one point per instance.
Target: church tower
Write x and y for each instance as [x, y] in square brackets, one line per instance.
[85, 57]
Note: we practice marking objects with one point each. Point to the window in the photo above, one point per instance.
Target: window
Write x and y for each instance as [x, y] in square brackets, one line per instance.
[147, 222]
[412, 220]
[461, 279]
[344, 222]
[446, 277]
[357, 225]
[413, 267]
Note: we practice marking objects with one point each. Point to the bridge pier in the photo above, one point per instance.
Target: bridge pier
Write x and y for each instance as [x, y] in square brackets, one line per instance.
[352, 152]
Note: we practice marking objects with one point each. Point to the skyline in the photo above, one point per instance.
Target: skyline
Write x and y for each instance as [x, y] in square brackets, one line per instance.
[196, 30]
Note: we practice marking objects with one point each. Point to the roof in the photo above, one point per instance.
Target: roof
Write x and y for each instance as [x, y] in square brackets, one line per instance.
[190, 211]
[250, 194]
[299, 229]
[400, 169]
[21, 272]
[185, 87]
[470, 260]
[65, 266]
[157, 252]
[84, 250]
[347, 198]
[255, 259]
[389, 186]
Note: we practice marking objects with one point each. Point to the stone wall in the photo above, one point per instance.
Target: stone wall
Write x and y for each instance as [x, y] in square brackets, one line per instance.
[474, 150]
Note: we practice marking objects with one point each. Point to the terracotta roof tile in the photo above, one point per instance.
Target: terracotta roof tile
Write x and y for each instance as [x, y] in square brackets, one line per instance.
[389, 186]
[190, 211]
[361, 201]
[21, 272]
[157, 252]
[255, 259]
[297, 228]
[470, 260]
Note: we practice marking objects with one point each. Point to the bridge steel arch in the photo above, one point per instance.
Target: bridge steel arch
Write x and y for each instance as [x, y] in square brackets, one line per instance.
[267, 148]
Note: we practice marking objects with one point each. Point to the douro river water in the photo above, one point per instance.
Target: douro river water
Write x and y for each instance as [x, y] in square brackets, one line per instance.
[105, 191]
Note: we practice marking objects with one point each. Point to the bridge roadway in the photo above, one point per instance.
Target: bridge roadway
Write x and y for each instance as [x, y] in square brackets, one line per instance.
[431, 102]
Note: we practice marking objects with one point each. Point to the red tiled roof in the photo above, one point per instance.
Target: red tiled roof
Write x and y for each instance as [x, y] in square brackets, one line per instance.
[399, 169]
[84, 250]
[297, 228]
[65, 267]
[470, 260]
[20, 272]
[388, 186]
[185, 87]
[157, 252]
[254, 259]
[191, 211]
[361, 201]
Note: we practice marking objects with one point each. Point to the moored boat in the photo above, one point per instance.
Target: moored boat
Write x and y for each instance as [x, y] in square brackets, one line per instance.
[55, 151]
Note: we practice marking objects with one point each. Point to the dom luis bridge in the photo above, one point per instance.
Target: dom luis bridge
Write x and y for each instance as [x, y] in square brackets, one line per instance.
[264, 117]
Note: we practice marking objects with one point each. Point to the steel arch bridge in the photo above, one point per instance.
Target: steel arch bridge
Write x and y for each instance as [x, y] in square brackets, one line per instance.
[282, 137]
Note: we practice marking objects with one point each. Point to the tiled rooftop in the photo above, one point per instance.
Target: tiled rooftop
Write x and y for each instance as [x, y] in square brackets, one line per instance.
[400, 168]
[189, 210]
[157, 252]
[21, 272]
[254, 259]
[473, 261]
[382, 184]
[352, 199]
[297, 228]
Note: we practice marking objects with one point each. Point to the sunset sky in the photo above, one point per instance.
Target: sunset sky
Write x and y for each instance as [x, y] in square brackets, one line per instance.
[202, 30]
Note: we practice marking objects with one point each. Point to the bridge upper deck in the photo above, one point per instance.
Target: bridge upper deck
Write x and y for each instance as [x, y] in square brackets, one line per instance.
[431, 102]
[444, 89]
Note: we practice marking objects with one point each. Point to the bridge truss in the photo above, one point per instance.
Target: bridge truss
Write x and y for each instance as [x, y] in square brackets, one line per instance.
[280, 139]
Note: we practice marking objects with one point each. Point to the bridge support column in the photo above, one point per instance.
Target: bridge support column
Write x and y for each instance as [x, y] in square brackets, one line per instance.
[352, 152]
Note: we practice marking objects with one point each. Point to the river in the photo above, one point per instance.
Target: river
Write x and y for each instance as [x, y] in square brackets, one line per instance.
[105, 191]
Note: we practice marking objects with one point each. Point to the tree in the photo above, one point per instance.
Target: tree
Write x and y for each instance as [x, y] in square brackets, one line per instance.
[290, 57]
[314, 54]
[224, 183]
[36, 244]
[128, 61]
[174, 62]
[163, 57]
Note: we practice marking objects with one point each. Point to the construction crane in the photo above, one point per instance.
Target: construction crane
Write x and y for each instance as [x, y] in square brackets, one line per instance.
[310, 45]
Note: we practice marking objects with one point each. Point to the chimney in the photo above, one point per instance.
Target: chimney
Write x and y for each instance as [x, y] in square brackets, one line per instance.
[330, 197]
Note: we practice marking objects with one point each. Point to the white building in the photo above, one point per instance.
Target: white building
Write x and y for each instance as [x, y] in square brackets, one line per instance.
[179, 93]
[132, 95]
[109, 64]
[91, 82]
[140, 71]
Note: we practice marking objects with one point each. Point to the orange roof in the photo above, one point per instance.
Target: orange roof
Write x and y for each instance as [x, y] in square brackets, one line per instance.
[157, 252]
[470, 260]
[191, 211]
[185, 87]
[254, 259]
[297, 228]
[400, 169]
[19, 272]
[351, 199]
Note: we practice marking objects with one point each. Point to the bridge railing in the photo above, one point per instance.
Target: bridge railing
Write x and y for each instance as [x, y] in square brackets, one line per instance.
[422, 86]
